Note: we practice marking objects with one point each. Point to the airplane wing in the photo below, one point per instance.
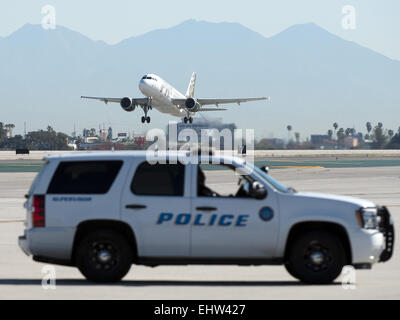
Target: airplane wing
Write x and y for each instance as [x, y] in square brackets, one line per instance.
[217, 102]
[136, 101]
[204, 102]
[212, 109]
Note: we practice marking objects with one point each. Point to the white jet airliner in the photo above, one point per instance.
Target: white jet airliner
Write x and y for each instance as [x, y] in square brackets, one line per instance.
[166, 99]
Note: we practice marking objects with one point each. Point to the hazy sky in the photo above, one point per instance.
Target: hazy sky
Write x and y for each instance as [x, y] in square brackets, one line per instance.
[377, 22]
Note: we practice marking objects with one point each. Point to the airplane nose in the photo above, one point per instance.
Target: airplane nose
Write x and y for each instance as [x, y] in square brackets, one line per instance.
[142, 85]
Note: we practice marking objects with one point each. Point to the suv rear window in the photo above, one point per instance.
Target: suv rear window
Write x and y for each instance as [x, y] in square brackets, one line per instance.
[84, 177]
[159, 179]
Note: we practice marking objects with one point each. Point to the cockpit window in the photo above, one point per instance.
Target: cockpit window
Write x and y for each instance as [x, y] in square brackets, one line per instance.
[148, 78]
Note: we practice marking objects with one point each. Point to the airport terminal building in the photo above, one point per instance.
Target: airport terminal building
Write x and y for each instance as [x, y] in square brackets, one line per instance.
[212, 128]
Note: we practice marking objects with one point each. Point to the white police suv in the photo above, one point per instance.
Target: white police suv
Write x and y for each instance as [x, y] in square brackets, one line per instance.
[104, 211]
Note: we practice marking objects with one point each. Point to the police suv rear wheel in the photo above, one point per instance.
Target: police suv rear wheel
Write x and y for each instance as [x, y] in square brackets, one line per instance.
[104, 256]
[316, 257]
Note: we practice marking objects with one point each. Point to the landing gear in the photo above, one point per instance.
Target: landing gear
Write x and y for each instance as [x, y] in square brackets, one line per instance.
[188, 119]
[146, 107]
[145, 119]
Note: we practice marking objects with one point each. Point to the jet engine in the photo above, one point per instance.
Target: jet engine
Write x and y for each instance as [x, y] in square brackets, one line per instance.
[127, 104]
[192, 105]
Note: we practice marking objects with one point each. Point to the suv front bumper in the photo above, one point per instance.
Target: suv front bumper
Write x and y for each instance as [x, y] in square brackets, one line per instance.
[386, 226]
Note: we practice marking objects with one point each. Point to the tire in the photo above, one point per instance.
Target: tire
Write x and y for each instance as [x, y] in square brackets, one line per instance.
[316, 257]
[289, 269]
[104, 256]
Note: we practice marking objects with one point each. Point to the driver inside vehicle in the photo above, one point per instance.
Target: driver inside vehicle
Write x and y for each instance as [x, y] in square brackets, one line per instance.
[228, 189]
[202, 189]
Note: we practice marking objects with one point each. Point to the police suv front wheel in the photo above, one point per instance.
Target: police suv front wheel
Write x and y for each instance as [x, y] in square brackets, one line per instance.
[316, 257]
[104, 256]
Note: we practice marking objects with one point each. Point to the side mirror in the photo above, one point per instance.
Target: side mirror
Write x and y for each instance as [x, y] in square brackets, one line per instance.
[258, 191]
[265, 169]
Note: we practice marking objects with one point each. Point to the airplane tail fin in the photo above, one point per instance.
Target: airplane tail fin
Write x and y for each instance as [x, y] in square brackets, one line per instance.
[190, 89]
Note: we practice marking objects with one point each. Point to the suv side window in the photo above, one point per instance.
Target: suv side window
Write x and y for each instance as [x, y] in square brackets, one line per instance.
[221, 180]
[84, 177]
[159, 179]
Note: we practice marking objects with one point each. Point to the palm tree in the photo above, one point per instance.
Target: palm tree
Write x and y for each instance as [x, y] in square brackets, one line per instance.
[330, 132]
[335, 126]
[9, 128]
[6, 129]
[289, 128]
[2, 130]
[390, 133]
[379, 136]
[369, 127]
[340, 135]
[297, 135]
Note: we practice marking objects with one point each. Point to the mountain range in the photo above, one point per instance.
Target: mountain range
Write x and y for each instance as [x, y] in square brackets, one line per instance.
[314, 78]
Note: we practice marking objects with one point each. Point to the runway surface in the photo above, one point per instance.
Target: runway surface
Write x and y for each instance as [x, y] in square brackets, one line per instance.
[21, 278]
[273, 163]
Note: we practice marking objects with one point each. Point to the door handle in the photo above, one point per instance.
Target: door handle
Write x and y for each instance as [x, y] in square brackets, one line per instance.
[206, 208]
[135, 206]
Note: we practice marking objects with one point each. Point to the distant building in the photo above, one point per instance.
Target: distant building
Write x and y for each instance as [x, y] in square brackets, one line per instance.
[103, 134]
[91, 139]
[351, 142]
[274, 143]
[319, 139]
[199, 124]
[323, 141]
[139, 140]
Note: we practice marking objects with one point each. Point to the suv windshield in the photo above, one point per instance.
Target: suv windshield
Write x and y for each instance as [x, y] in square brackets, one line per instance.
[272, 181]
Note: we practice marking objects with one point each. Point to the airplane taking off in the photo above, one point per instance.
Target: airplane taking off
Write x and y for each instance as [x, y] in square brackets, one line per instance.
[166, 99]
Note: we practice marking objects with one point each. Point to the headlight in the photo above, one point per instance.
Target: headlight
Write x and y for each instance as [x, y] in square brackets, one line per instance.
[367, 218]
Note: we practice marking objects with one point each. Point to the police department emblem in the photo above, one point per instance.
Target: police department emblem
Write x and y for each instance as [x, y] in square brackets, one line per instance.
[266, 214]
